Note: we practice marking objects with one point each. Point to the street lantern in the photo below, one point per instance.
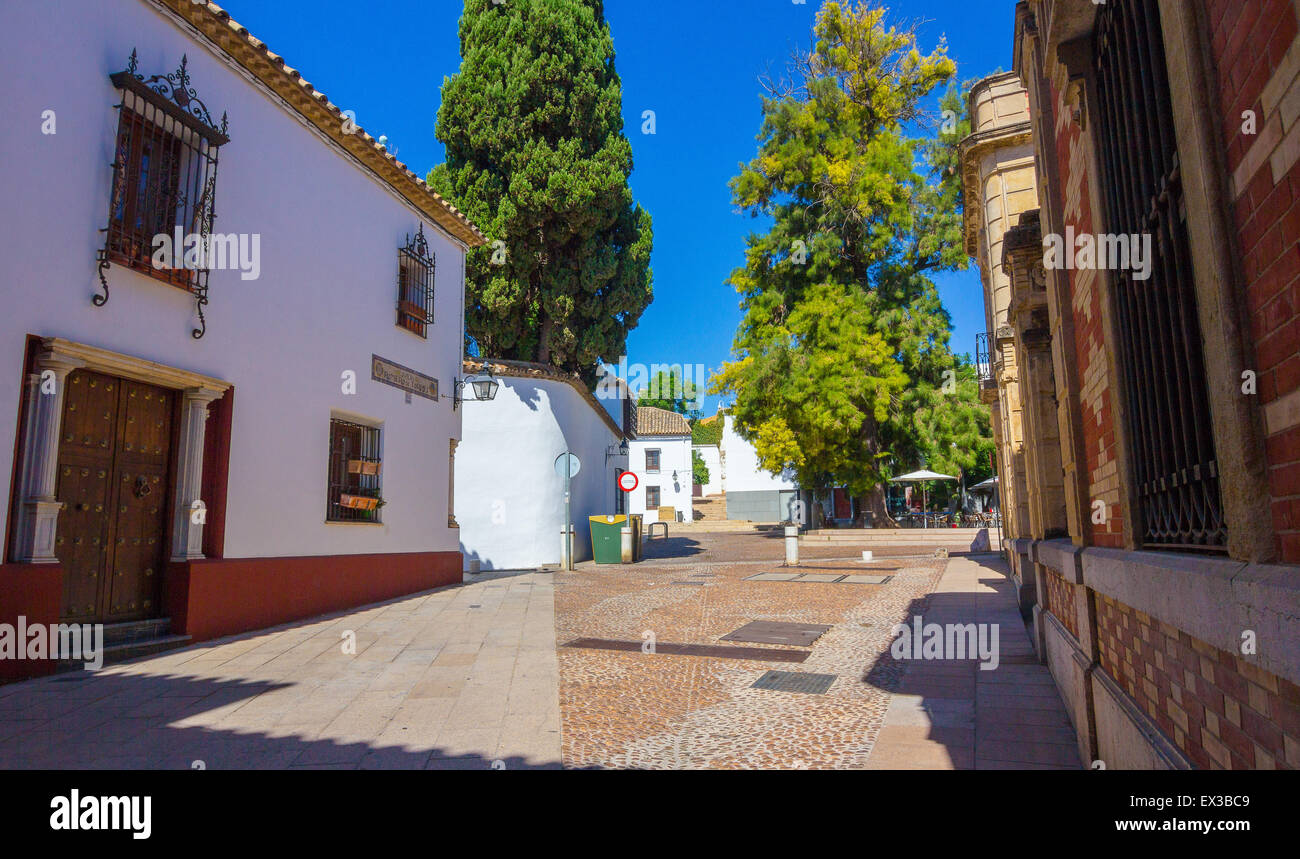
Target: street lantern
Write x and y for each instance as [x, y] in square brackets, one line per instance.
[485, 387]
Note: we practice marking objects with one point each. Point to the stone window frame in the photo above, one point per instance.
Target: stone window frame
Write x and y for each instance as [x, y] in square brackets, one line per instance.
[1219, 278]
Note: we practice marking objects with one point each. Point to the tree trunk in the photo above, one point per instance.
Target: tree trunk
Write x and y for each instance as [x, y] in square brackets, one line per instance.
[874, 503]
[544, 342]
[875, 499]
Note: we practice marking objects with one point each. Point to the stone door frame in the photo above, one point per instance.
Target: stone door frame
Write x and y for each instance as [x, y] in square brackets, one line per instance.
[36, 508]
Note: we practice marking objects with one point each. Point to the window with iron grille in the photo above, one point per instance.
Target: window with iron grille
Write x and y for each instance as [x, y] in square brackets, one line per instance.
[651, 497]
[620, 497]
[163, 184]
[415, 285]
[652, 461]
[1167, 409]
[355, 473]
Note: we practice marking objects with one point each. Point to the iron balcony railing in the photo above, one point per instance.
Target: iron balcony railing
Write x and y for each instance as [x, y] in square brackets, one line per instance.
[983, 358]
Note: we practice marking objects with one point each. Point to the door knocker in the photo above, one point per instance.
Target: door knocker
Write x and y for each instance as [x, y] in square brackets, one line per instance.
[142, 487]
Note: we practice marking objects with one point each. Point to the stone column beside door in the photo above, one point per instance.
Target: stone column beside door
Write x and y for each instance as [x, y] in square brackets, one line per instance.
[187, 533]
[38, 509]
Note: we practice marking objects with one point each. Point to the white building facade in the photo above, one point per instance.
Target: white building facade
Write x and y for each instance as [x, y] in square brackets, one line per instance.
[509, 496]
[661, 459]
[231, 448]
[753, 493]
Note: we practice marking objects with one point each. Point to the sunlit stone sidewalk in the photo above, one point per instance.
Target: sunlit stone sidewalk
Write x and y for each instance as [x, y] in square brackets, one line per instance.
[463, 677]
[950, 714]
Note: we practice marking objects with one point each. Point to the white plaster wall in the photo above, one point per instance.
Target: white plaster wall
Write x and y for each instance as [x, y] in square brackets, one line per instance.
[509, 500]
[712, 456]
[675, 455]
[323, 304]
[743, 471]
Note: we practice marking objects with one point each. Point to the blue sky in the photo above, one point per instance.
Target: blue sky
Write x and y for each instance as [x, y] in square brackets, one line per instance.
[695, 63]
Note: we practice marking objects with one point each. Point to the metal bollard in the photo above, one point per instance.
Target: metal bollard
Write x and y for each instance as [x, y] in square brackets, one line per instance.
[625, 543]
[792, 545]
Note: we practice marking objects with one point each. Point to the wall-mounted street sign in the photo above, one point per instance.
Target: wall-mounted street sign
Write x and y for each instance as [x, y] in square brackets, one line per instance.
[403, 378]
[627, 481]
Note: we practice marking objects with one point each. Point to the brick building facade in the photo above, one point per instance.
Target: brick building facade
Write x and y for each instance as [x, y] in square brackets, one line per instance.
[1159, 373]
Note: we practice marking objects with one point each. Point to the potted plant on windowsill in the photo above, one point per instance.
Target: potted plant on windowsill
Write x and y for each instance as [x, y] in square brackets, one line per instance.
[370, 506]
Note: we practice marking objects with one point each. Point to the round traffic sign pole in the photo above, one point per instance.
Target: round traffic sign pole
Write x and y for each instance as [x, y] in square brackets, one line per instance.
[567, 466]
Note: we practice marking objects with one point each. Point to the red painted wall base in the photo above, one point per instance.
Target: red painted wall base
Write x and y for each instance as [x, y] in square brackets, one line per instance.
[35, 592]
[224, 596]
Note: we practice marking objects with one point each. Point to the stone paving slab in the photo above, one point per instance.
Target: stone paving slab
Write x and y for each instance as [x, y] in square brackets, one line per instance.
[462, 677]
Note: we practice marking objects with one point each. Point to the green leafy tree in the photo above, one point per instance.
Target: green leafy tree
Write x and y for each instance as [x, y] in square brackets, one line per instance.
[843, 333]
[536, 157]
[699, 471]
[672, 392]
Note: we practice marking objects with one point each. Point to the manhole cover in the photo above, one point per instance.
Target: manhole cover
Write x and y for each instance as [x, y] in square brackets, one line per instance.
[777, 632]
[795, 681]
[696, 584]
[824, 578]
[772, 577]
[865, 580]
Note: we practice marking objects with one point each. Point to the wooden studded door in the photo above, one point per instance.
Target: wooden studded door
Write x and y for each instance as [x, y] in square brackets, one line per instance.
[114, 461]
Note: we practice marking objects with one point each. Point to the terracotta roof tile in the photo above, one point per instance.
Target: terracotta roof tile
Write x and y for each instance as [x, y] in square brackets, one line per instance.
[654, 421]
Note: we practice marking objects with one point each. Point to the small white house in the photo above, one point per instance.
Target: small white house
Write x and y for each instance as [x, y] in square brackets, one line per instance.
[752, 492]
[661, 459]
[509, 499]
[255, 424]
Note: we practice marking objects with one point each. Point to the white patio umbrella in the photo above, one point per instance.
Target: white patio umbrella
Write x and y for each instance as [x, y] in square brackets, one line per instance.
[922, 476]
[990, 484]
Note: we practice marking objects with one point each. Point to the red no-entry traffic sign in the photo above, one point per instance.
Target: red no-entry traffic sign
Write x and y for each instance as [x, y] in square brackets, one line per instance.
[627, 481]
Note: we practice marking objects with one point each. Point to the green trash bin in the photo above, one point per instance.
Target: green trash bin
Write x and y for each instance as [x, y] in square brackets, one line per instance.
[607, 538]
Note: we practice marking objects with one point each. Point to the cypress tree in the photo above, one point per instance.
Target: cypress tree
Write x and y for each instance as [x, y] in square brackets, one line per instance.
[537, 158]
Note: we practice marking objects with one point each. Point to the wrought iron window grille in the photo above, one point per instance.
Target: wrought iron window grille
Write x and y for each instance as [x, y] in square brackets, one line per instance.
[1161, 358]
[415, 269]
[355, 473]
[165, 160]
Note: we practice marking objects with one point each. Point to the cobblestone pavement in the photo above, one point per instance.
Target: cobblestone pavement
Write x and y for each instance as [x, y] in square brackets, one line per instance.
[650, 710]
[458, 678]
[636, 709]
